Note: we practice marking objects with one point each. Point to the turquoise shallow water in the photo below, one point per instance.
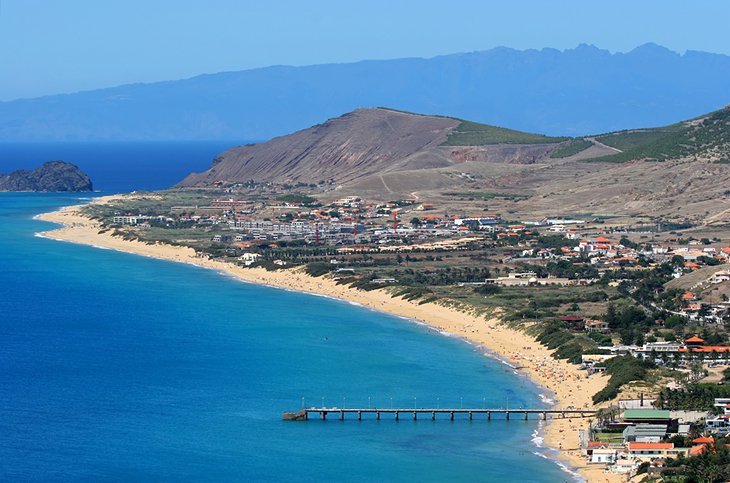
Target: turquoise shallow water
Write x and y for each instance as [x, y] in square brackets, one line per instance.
[119, 367]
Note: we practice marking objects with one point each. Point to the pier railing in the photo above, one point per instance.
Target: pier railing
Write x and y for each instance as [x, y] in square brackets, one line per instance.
[413, 413]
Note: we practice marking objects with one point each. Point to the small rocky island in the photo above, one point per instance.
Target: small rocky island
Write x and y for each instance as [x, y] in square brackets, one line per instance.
[51, 176]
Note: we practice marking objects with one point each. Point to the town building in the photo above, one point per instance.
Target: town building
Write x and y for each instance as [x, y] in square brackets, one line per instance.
[249, 259]
[645, 433]
[648, 451]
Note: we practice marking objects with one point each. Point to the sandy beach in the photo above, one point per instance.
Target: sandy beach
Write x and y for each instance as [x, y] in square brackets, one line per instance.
[570, 386]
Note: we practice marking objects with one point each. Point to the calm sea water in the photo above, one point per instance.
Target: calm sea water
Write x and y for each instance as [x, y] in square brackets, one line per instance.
[123, 368]
[119, 166]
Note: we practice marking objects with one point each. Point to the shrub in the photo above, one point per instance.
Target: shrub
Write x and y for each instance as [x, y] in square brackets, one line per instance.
[622, 369]
[317, 269]
[487, 289]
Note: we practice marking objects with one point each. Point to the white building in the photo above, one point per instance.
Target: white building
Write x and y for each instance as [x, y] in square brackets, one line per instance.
[249, 259]
[603, 455]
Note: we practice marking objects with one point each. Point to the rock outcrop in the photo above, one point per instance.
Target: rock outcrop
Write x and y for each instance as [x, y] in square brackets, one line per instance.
[51, 176]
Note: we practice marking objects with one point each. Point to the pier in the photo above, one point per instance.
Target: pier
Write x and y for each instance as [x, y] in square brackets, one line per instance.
[414, 414]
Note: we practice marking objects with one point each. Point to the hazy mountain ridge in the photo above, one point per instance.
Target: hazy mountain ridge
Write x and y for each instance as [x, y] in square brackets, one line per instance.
[579, 91]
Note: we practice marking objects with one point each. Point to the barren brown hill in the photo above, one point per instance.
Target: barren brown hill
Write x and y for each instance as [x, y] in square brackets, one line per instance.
[370, 142]
[678, 172]
[352, 146]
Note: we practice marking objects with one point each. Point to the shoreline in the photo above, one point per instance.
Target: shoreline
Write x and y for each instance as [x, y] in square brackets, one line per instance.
[567, 386]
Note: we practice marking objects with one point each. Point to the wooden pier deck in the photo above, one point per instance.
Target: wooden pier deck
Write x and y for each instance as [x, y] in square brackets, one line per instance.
[451, 413]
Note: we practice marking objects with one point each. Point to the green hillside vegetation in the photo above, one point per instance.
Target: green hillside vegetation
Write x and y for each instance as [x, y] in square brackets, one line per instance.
[296, 198]
[636, 138]
[475, 134]
[572, 147]
[622, 369]
[708, 136]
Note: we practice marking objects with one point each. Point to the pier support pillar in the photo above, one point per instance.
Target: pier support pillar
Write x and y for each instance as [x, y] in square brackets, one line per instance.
[489, 415]
[396, 415]
[342, 415]
[452, 415]
[526, 415]
[415, 416]
[507, 413]
[324, 415]
[544, 416]
[433, 415]
[377, 415]
[470, 416]
[359, 415]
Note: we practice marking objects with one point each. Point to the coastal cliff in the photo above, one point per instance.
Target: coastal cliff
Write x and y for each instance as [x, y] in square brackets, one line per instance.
[51, 176]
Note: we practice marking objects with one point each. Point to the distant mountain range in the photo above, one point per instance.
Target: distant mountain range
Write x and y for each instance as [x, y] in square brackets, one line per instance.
[580, 91]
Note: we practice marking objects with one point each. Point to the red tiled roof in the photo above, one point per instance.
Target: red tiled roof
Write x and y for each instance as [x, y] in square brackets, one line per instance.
[704, 439]
[694, 340]
[697, 450]
[712, 348]
[639, 445]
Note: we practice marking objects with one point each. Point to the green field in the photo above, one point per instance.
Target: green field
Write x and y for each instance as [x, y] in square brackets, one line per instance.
[153, 203]
[628, 140]
[572, 147]
[475, 134]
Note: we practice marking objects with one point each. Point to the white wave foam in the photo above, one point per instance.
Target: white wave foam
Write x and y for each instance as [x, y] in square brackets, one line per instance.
[571, 471]
[537, 440]
[511, 366]
[547, 400]
[551, 454]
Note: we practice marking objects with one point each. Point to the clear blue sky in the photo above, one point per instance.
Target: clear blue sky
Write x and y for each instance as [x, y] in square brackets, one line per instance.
[56, 46]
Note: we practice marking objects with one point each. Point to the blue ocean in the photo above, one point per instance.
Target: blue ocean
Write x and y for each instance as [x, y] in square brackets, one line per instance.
[115, 367]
